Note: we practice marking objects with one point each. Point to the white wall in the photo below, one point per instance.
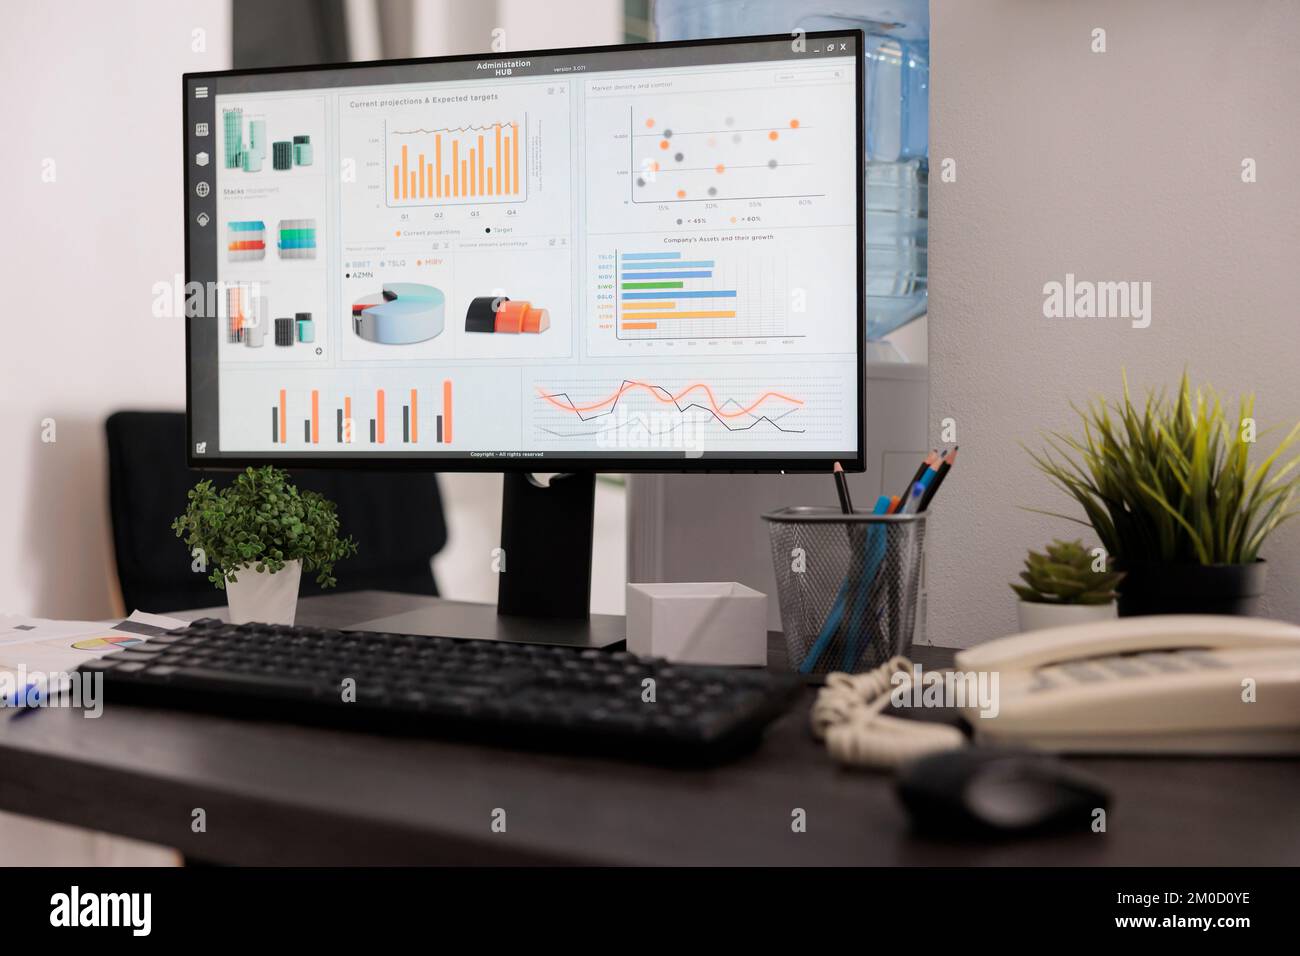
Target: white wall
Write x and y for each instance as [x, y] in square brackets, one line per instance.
[1122, 165]
[95, 88]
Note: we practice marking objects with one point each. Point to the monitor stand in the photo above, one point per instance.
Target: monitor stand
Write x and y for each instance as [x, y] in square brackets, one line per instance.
[544, 567]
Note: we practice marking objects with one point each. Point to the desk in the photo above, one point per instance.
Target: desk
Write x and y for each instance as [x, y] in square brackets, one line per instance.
[279, 794]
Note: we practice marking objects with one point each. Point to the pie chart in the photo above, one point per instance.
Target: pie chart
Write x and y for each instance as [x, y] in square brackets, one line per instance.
[109, 640]
[402, 313]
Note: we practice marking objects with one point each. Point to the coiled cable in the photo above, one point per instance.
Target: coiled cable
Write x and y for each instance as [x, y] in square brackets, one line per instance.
[847, 715]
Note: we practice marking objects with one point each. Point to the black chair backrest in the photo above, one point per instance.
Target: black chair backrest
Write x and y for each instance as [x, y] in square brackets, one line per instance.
[396, 518]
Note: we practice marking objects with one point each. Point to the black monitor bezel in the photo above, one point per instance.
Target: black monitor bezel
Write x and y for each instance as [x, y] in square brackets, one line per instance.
[467, 464]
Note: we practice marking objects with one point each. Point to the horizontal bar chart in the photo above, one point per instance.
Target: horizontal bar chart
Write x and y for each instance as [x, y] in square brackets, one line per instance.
[651, 288]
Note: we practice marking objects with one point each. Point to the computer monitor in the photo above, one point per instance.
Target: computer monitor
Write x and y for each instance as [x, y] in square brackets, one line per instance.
[631, 258]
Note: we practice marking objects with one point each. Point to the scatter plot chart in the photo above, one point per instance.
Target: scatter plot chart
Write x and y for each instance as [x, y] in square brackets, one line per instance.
[705, 153]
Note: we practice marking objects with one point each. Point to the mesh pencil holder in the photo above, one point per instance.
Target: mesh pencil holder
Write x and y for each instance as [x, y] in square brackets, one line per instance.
[847, 584]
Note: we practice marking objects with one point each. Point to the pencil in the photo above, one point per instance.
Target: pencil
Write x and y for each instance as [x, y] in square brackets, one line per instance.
[930, 461]
[942, 473]
[842, 486]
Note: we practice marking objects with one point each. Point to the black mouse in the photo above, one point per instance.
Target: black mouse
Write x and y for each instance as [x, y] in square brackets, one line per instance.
[981, 791]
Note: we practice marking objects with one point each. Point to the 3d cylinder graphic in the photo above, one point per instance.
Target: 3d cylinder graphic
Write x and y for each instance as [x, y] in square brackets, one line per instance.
[503, 314]
[255, 151]
[302, 151]
[403, 313]
[284, 331]
[255, 323]
[282, 155]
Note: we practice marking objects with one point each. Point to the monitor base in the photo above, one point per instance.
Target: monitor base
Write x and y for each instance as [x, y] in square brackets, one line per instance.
[482, 622]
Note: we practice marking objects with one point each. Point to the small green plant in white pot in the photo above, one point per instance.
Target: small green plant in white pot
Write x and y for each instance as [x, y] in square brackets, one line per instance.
[258, 534]
[1062, 586]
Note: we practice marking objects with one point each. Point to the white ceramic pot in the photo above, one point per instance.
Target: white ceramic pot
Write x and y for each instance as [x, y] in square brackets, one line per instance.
[264, 597]
[1035, 617]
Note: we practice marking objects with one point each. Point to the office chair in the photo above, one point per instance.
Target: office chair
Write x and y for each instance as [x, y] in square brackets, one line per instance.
[396, 518]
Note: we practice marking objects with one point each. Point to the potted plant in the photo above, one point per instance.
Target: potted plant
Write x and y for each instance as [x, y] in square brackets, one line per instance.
[1062, 588]
[1168, 487]
[257, 535]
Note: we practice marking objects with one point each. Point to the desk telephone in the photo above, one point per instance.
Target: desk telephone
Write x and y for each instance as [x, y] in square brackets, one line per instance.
[1177, 684]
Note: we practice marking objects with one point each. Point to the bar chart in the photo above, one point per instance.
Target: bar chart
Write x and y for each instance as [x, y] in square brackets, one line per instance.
[457, 165]
[666, 295]
[394, 418]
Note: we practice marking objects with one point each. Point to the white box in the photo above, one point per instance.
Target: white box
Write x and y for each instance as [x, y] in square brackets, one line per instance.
[698, 623]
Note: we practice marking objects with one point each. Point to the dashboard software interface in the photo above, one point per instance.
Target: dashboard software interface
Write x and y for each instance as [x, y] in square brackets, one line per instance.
[617, 254]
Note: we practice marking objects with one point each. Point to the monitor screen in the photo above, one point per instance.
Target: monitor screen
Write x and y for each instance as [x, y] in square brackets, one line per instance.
[622, 258]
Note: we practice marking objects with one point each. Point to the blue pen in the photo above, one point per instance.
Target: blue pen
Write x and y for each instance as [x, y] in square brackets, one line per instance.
[832, 622]
[913, 503]
[877, 539]
[22, 700]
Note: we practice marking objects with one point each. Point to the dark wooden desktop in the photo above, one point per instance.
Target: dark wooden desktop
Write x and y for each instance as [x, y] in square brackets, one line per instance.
[280, 794]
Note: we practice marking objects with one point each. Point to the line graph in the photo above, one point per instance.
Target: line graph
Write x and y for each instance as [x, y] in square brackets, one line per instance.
[725, 411]
[729, 409]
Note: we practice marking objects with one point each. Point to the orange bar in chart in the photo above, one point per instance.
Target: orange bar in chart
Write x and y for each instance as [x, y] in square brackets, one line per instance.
[514, 160]
[464, 178]
[415, 416]
[446, 411]
[473, 174]
[679, 315]
[347, 419]
[284, 417]
[423, 170]
[506, 175]
[397, 180]
[455, 167]
[639, 325]
[315, 417]
[437, 158]
[482, 186]
[497, 167]
[379, 416]
[404, 179]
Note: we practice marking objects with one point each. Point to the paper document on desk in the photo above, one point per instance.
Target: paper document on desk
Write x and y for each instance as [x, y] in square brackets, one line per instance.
[39, 644]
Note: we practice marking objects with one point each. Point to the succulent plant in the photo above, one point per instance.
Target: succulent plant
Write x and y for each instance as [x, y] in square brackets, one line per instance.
[1064, 575]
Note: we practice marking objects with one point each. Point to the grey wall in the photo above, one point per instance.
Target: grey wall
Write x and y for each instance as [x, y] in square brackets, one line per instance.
[1122, 165]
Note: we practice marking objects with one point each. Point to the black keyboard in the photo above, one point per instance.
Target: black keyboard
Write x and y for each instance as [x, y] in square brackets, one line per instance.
[522, 695]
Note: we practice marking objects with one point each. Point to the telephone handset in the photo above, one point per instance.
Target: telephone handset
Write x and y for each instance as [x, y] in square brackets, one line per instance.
[1159, 684]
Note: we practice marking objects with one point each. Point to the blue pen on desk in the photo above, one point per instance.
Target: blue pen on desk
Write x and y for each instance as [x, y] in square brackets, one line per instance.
[23, 700]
